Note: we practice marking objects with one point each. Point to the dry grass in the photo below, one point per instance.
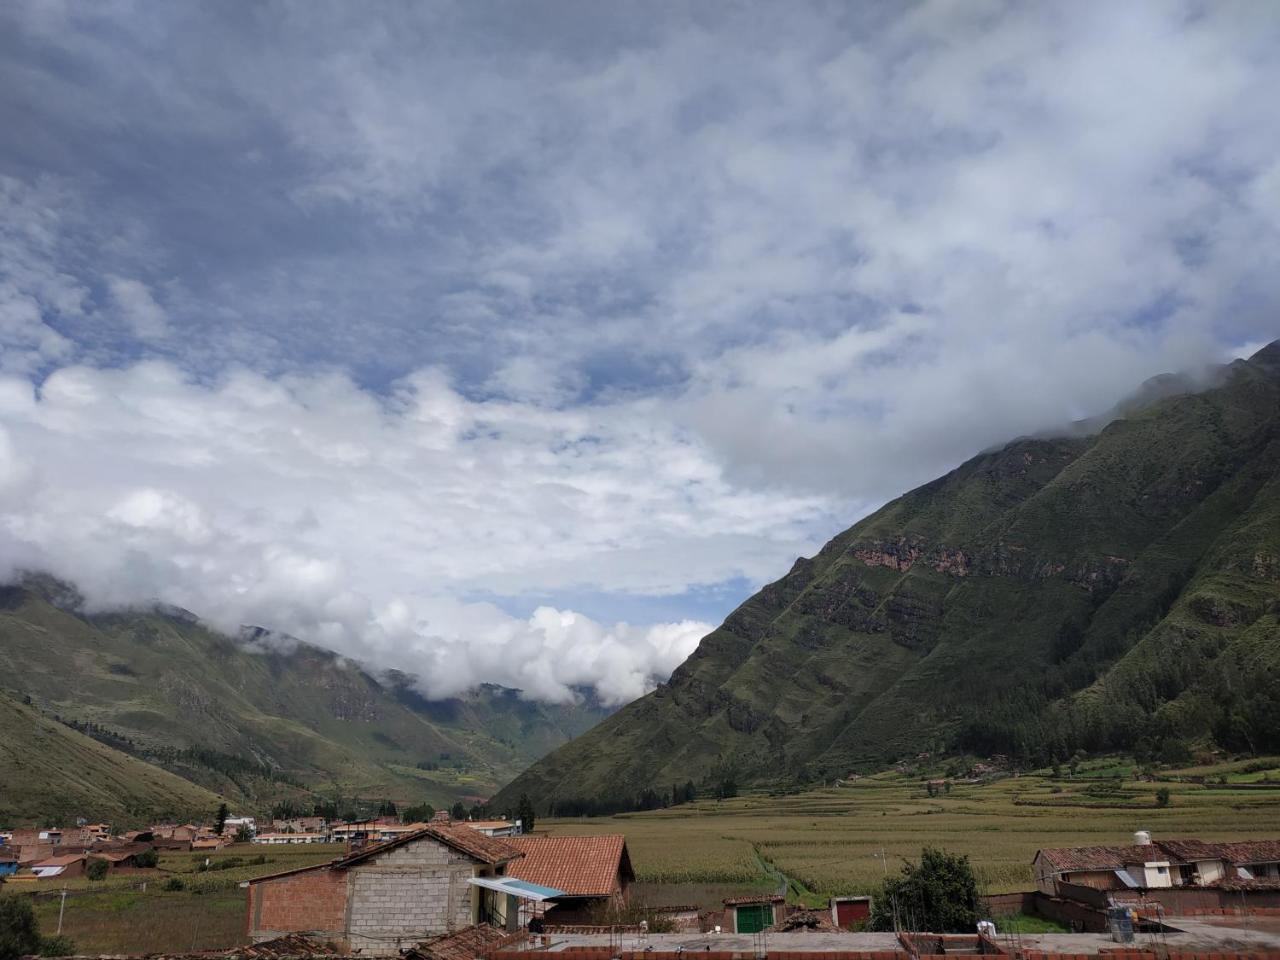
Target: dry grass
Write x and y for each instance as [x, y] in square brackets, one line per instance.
[132, 913]
[832, 840]
[136, 922]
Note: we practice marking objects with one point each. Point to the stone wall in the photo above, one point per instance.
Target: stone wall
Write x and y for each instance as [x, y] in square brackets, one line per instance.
[407, 895]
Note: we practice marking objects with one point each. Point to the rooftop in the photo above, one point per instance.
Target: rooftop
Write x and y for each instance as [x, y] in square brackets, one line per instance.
[1174, 851]
[580, 866]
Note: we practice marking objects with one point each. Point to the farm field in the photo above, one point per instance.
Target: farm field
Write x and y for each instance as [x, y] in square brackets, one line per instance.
[817, 843]
[136, 913]
[833, 840]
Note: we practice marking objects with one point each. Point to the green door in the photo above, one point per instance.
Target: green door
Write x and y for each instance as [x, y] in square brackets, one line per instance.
[754, 917]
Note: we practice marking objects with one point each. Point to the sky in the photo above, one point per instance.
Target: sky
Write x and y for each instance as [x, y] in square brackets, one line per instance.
[519, 343]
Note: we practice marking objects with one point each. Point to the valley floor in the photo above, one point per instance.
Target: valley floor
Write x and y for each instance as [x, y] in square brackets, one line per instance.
[814, 844]
[842, 840]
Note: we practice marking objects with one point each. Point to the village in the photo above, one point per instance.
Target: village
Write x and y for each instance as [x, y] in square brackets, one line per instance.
[451, 889]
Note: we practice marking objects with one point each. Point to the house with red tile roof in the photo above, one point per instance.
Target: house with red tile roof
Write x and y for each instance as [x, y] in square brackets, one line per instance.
[387, 896]
[1159, 865]
[60, 867]
[591, 873]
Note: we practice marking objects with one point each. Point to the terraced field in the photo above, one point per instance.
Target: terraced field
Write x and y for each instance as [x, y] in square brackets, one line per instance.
[842, 839]
[834, 840]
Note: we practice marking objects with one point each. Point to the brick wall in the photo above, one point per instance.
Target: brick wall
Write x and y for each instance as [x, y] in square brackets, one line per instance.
[1070, 914]
[407, 895]
[1007, 904]
[314, 901]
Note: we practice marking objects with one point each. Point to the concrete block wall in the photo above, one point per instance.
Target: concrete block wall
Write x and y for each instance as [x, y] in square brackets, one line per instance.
[408, 894]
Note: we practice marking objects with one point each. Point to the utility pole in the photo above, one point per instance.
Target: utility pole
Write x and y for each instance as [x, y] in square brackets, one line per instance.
[61, 909]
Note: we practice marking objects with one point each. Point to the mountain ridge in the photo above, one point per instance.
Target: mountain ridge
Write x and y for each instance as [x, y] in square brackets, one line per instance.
[1011, 605]
[264, 721]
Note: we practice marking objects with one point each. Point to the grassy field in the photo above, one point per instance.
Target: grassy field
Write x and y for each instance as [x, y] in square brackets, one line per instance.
[842, 839]
[135, 913]
[833, 840]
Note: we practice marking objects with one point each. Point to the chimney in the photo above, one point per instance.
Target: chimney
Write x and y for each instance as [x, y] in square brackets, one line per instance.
[1142, 838]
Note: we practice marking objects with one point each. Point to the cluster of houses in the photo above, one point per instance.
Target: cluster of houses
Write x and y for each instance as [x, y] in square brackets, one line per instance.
[444, 877]
[439, 877]
[1177, 877]
[50, 853]
[60, 853]
[397, 886]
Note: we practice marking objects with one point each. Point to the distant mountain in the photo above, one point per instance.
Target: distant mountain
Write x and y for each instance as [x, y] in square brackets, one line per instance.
[1115, 590]
[51, 773]
[257, 719]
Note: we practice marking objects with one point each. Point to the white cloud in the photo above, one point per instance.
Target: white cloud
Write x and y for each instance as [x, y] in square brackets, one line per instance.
[145, 318]
[311, 507]
[636, 303]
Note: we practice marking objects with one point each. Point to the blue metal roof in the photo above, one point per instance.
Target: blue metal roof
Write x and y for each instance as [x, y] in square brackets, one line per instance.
[517, 888]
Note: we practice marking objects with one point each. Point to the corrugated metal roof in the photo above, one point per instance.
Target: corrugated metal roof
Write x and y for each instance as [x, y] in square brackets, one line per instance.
[518, 888]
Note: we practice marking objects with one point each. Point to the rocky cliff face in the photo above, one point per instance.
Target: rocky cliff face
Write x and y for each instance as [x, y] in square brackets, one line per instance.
[1061, 593]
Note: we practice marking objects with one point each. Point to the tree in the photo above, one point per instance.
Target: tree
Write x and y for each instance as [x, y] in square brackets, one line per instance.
[387, 808]
[938, 895]
[220, 819]
[1163, 797]
[458, 811]
[147, 858]
[243, 835]
[19, 933]
[97, 869]
[524, 813]
[419, 813]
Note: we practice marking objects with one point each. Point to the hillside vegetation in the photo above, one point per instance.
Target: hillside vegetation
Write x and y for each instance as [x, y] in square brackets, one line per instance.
[52, 773]
[259, 718]
[1116, 591]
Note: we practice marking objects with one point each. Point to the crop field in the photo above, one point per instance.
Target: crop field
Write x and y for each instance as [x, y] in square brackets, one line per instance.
[139, 913]
[131, 921]
[843, 839]
[838, 839]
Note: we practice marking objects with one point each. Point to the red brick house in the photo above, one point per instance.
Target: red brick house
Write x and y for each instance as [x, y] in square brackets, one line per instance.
[388, 896]
[591, 873]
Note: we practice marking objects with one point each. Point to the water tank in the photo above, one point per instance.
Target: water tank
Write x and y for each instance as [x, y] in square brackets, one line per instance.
[1142, 837]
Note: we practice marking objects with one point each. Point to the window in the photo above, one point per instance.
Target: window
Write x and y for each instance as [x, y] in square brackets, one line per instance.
[1162, 870]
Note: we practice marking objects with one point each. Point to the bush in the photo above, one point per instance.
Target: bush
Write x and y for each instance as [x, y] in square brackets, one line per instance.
[19, 934]
[173, 883]
[939, 894]
[60, 946]
[147, 858]
[97, 869]
[1163, 797]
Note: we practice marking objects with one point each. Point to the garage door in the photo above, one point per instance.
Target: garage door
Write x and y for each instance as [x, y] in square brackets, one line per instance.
[754, 917]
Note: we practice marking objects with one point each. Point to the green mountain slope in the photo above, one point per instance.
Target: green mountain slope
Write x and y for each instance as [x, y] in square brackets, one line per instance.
[222, 711]
[52, 773]
[1117, 590]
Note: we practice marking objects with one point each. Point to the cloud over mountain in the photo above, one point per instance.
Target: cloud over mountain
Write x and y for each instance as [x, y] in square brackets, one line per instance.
[410, 332]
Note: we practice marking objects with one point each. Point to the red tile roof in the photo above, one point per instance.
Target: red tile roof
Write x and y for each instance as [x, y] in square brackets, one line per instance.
[580, 866]
[465, 944]
[1069, 859]
[1175, 851]
[63, 861]
[1191, 850]
[475, 845]
[468, 842]
[1257, 883]
[1251, 851]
